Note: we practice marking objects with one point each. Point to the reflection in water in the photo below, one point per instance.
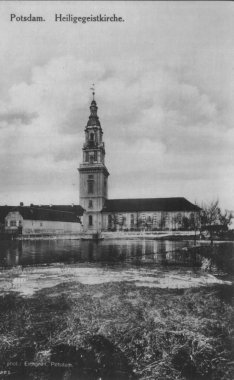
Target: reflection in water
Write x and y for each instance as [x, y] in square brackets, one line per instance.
[13, 253]
[150, 263]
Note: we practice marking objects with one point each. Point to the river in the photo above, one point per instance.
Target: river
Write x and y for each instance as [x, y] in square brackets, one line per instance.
[28, 266]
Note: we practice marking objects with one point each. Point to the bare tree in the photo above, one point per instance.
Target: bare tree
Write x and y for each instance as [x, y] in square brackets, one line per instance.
[149, 222]
[195, 223]
[185, 223]
[112, 222]
[162, 221]
[177, 221]
[141, 222]
[214, 220]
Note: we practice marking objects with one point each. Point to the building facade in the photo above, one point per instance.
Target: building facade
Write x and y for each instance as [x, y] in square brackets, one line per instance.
[152, 214]
[103, 214]
[28, 220]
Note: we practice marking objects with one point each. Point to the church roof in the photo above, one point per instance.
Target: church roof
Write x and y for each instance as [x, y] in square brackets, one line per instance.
[76, 209]
[149, 204]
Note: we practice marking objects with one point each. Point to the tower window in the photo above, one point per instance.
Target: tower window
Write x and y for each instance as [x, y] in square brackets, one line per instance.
[86, 157]
[91, 136]
[95, 156]
[90, 203]
[90, 186]
[90, 220]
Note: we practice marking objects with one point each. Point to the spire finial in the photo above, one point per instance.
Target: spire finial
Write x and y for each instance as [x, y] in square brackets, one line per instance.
[93, 90]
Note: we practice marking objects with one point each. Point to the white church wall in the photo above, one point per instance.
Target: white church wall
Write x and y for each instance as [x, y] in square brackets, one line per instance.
[158, 220]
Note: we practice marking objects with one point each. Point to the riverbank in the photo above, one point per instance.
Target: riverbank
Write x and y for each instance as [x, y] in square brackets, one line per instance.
[152, 235]
[116, 235]
[118, 331]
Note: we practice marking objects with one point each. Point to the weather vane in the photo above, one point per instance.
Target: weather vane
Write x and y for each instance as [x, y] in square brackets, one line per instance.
[93, 89]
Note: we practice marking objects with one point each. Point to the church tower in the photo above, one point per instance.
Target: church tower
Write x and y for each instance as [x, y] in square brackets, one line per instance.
[93, 173]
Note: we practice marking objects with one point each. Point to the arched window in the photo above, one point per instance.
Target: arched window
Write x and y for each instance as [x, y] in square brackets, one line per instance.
[90, 187]
[86, 157]
[90, 184]
[90, 220]
[90, 203]
[91, 136]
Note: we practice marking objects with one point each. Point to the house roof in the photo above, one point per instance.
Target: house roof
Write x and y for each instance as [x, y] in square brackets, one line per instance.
[149, 204]
[61, 213]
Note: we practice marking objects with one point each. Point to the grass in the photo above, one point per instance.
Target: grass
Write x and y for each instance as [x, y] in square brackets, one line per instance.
[118, 331]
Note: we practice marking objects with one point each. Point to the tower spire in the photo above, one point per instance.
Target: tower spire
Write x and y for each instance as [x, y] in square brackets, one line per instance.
[93, 90]
[93, 117]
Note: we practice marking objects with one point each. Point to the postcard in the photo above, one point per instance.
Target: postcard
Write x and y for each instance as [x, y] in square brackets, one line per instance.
[116, 190]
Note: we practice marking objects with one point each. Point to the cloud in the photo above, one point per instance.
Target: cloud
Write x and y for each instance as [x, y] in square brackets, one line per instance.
[163, 90]
[17, 118]
[171, 130]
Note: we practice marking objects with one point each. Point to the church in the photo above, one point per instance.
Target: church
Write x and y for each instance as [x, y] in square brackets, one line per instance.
[104, 214]
[96, 212]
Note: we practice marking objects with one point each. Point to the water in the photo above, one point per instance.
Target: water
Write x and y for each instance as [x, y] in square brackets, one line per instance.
[24, 253]
[28, 266]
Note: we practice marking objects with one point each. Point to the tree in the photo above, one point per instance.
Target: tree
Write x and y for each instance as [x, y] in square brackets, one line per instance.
[149, 223]
[185, 223]
[195, 223]
[226, 218]
[121, 222]
[214, 220]
[177, 221]
[162, 221]
[141, 222]
[112, 222]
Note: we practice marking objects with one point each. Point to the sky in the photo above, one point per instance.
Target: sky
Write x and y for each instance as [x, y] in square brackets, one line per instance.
[164, 87]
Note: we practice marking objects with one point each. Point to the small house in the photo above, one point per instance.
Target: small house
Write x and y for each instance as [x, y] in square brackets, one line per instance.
[40, 220]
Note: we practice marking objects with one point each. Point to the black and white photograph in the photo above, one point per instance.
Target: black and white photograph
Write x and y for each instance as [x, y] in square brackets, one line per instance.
[116, 190]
